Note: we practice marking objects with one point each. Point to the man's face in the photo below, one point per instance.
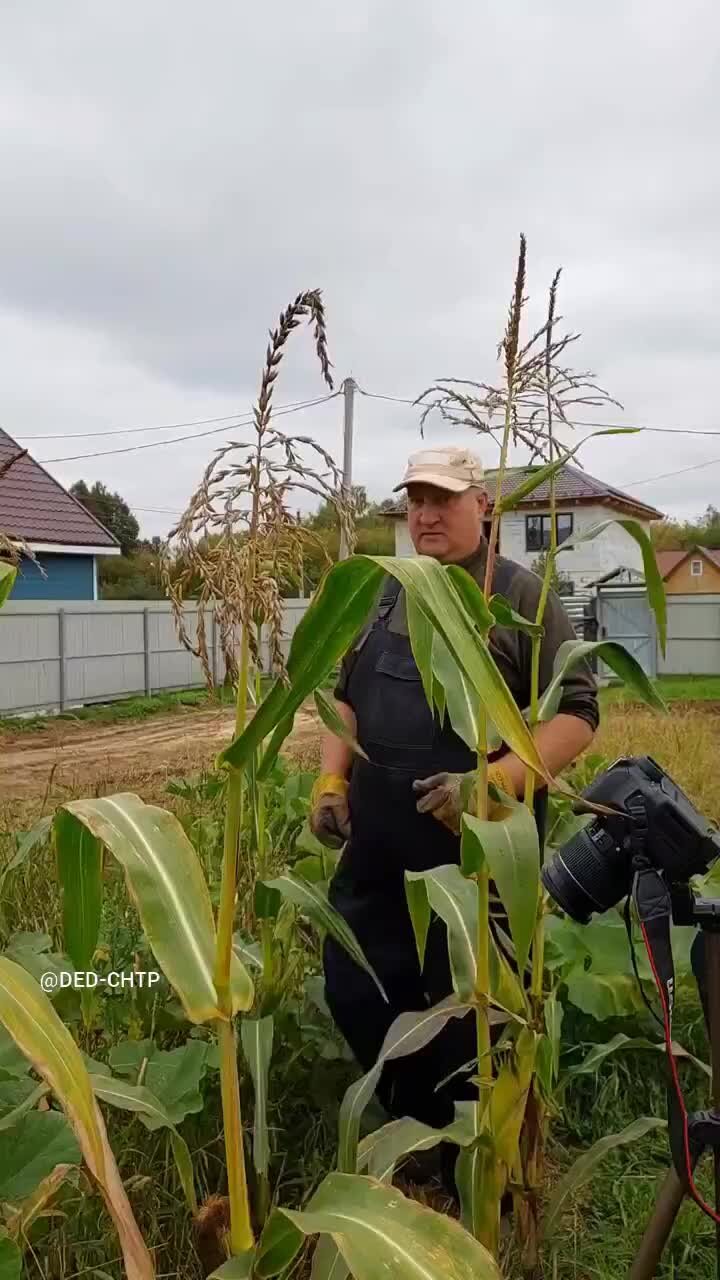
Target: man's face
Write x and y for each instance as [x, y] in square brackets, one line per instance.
[445, 525]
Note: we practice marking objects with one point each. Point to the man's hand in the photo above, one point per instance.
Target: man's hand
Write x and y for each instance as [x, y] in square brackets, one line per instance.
[330, 814]
[448, 795]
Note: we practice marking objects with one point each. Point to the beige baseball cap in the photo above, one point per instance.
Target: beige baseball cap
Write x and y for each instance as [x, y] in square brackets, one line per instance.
[448, 468]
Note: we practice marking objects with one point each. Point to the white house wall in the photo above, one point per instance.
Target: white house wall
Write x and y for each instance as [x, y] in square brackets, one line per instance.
[612, 549]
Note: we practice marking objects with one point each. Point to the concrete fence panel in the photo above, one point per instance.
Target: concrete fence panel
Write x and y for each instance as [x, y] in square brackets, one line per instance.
[55, 655]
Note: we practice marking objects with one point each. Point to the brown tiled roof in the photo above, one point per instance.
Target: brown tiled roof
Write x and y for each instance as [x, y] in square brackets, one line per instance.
[571, 485]
[669, 560]
[35, 507]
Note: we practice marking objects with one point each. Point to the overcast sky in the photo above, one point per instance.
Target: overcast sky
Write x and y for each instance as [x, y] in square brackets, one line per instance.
[173, 173]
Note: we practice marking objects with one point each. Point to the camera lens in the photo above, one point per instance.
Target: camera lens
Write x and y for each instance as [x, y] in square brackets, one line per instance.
[589, 874]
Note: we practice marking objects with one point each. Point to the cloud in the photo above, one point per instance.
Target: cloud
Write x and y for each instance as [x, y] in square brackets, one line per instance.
[172, 176]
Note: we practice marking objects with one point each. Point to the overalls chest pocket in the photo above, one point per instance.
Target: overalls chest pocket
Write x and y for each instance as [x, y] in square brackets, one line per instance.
[394, 712]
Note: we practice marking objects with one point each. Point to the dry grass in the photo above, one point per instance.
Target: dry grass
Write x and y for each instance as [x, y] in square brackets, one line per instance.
[686, 743]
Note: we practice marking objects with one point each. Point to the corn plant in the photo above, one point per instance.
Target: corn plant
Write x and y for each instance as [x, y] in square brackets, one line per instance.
[369, 1224]
[450, 621]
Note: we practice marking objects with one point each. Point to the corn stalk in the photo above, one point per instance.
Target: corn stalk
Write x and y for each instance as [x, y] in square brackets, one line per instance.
[240, 541]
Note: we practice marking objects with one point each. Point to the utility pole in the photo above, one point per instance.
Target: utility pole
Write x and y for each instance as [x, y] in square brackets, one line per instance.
[349, 388]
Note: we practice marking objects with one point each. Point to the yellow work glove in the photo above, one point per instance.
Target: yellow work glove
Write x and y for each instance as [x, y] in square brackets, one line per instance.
[448, 795]
[329, 811]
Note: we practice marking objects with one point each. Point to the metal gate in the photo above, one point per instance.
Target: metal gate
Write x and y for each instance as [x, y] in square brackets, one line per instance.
[623, 614]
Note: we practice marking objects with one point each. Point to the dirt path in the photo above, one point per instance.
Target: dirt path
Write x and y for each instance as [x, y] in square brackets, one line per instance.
[86, 758]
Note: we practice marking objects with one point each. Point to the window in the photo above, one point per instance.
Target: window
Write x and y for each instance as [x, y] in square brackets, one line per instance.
[696, 568]
[537, 531]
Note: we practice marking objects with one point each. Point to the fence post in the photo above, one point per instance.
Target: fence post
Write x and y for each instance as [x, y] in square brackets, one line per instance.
[146, 650]
[61, 658]
[213, 654]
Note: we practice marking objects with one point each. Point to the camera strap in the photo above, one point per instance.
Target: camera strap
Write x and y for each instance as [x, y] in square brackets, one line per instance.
[653, 904]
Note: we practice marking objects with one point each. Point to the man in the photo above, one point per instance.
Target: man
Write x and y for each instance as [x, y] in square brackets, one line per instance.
[401, 809]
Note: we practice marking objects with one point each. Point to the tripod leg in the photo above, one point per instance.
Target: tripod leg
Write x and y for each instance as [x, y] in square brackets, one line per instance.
[658, 1229]
[712, 964]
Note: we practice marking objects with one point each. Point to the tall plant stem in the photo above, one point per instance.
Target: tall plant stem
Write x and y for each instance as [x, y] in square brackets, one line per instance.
[538, 947]
[510, 347]
[234, 809]
[241, 1234]
[482, 943]
[266, 926]
[497, 508]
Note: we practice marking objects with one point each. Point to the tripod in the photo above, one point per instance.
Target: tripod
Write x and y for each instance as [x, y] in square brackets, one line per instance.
[704, 1127]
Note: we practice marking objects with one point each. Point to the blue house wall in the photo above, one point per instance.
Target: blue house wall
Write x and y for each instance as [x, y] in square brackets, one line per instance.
[68, 578]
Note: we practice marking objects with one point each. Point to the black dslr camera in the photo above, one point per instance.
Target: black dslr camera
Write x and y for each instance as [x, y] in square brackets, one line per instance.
[654, 820]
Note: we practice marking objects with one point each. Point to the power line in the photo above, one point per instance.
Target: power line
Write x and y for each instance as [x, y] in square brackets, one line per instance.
[572, 422]
[698, 466]
[166, 426]
[198, 435]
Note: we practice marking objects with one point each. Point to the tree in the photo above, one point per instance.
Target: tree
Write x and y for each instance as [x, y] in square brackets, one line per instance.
[560, 583]
[111, 510]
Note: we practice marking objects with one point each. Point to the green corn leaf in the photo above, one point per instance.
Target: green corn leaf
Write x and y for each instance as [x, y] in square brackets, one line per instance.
[408, 1033]
[38, 1032]
[328, 1263]
[572, 652]
[461, 701]
[328, 627]
[420, 634]
[599, 1052]
[511, 850]
[478, 1180]
[79, 866]
[257, 1041]
[8, 574]
[312, 900]
[454, 899]
[553, 1015]
[472, 597]
[168, 887]
[506, 616]
[27, 843]
[351, 1112]
[538, 475]
[239, 1267]
[509, 1097]
[380, 1151]
[143, 1103]
[419, 909]
[584, 1167]
[379, 1231]
[435, 591]
[279, 1245]
[333, 721]
[653, 579]
[10, 1255]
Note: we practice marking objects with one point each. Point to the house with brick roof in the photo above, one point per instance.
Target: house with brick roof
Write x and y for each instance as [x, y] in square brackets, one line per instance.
[66, 539]
[581, 502]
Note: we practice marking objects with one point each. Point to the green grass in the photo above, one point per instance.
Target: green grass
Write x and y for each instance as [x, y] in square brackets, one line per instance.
[139, 708]
[672, 689]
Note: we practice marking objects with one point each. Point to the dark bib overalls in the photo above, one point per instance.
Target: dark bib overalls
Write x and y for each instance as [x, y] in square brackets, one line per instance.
[404, 741]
